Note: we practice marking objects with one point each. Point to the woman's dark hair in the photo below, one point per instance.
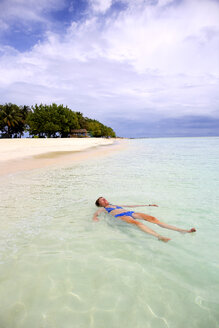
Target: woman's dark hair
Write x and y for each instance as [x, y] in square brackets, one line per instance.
[97, 202]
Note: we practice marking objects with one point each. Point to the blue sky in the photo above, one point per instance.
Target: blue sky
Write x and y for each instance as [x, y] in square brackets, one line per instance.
[147, 68]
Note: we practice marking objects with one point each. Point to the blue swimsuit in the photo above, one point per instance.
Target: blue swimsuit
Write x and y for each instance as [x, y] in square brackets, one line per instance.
[128, 213]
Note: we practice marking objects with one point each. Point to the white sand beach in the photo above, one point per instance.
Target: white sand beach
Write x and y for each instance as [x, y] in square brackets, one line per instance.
[24, 154]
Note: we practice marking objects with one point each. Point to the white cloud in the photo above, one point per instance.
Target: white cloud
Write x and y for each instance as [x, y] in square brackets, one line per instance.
[161, 59]
[22, 11]
[100, 6]
[161, 39]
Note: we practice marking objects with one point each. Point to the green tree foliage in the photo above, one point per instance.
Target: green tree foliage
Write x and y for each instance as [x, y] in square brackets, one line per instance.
[97, 129]
[48, 120]
[68, 121]
[13, 120]
[82, 121]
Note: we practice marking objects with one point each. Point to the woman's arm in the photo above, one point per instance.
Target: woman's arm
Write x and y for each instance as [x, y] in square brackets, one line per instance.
[95, 216]
[139, 205]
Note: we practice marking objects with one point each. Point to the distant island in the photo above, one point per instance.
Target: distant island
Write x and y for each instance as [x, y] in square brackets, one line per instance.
[48, 121]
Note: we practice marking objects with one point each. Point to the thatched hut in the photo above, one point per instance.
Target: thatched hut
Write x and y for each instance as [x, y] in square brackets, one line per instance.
[81, 133]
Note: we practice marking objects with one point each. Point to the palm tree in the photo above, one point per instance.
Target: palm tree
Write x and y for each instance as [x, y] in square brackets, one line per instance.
[10, 117]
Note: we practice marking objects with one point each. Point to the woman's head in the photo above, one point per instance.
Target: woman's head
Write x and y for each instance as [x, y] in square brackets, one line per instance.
[101, 202]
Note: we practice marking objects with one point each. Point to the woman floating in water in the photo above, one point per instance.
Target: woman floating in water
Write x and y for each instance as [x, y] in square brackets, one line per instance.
[131, 217]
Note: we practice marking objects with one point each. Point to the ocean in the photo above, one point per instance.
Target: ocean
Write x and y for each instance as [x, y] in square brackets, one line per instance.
[60, 269]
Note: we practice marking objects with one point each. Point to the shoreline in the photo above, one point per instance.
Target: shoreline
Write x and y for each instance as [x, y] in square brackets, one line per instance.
[18, 155]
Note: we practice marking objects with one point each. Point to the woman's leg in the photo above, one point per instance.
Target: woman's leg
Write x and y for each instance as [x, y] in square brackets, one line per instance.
[141, 226]
[152, 219]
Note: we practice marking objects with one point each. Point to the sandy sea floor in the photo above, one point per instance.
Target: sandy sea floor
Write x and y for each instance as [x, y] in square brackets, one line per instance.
[60, 269]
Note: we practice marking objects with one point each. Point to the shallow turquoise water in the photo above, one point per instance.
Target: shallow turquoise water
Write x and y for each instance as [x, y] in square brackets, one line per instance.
[60, 269]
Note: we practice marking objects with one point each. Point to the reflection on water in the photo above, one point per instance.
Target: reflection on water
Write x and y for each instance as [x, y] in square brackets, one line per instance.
[58, 268]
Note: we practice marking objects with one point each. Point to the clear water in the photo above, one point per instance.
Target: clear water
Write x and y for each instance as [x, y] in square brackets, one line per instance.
[60, 269]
